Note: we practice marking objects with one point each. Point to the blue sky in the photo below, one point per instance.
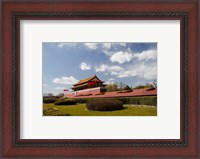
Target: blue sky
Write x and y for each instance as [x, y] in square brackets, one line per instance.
[64, 64]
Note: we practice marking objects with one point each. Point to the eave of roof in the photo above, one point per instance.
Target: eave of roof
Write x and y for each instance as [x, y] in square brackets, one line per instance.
[87, 80]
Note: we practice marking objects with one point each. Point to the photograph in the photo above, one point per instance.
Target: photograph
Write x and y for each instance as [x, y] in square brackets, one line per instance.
[99, 78]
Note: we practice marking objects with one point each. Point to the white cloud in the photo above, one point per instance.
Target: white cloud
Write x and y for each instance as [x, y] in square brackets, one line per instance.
[126, 74]
[127, 56]
[122, 44]
[84, 66]
[106, 48]
[65, 80]
[121, 57]
[111, 79]
[146, 55]
[112, 70]
[102, 68]
[116, 70]
[44, 85]
[148, 71]
[60, 88]
[142, 70]
[107, 45]
[92, 46]
[61, 45]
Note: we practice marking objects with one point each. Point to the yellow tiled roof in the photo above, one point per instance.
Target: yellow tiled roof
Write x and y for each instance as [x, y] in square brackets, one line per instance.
[80, 85]
[86, 80]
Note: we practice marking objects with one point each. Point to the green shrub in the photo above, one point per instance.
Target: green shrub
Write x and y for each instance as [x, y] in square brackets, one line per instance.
[104, 105]
[53, 112]
[85, 100]
[87, 94]
[81, 100]
[143, 86]
[65, 101]
[144, 100]
[49, 100]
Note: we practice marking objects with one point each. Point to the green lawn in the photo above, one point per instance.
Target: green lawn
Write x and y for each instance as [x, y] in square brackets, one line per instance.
[81, 110]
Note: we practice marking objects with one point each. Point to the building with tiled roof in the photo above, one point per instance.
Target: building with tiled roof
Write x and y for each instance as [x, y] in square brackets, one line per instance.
[87, 83]
[93, 87]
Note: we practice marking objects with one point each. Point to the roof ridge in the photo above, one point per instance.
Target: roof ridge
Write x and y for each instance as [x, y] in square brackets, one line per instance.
[85, 80]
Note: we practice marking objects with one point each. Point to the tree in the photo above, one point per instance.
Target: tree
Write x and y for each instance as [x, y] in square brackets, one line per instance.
[121, 85]
[50, 94]
[111, 87]
[127, 87]
[155, 84]
[60, 95]
[147, 85]
[139, 87]
[45, 94]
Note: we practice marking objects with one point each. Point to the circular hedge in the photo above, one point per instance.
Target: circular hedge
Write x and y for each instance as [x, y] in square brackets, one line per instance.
[65, 102]
[104, 105]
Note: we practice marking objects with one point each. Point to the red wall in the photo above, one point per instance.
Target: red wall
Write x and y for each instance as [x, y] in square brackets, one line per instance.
[92, 91]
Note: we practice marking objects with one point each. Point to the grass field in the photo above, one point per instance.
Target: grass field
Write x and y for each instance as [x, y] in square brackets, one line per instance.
[81, 110]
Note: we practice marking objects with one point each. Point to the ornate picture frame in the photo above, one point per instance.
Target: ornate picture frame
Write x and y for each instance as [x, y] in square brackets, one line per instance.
[14, 11]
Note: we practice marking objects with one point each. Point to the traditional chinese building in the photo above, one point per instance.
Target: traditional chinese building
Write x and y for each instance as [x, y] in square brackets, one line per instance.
[89, 86]
[90, 82]
[93, 87]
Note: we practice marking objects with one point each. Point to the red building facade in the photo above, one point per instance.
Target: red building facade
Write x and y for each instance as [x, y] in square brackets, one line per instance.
[93, 87]
[89, 86]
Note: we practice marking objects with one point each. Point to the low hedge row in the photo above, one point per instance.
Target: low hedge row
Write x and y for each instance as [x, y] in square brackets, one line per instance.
[82, 100]
[143, 100]
[49, 100]
[65, 101]
[104, 105]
